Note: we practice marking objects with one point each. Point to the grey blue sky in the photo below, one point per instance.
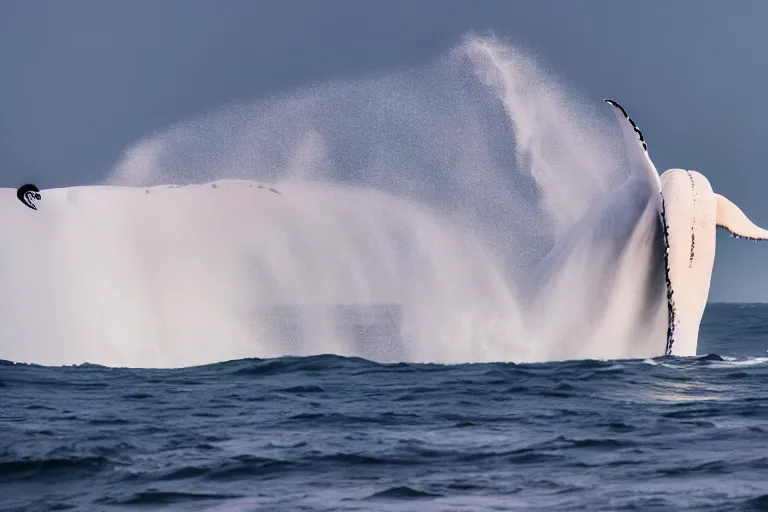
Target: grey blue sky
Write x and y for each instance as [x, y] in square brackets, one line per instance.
[82, 80]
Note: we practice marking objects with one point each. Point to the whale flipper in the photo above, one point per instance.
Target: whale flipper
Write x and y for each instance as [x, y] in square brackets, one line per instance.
[641, 167]
[604, 279]
[730, 217]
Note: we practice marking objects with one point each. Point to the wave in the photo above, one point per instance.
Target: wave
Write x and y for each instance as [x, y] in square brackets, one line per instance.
[87, 376]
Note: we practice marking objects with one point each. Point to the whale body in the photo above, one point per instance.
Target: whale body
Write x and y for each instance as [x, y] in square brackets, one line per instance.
[693, 214]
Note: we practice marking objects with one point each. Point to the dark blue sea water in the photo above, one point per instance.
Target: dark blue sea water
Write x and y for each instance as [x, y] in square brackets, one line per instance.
[333, 433]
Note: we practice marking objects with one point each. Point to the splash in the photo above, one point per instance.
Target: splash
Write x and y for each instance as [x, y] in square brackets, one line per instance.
[425, 194]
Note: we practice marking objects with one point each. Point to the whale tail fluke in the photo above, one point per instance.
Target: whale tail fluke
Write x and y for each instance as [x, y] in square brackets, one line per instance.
[730, 217]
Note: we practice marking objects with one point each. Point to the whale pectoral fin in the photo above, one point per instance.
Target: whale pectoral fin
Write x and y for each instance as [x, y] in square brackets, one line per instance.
[640, 165]
[730, 217]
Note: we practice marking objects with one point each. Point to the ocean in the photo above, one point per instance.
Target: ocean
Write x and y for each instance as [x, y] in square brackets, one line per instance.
[334, 433]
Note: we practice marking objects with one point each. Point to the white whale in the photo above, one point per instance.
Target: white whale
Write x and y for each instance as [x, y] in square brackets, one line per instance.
[631, 278]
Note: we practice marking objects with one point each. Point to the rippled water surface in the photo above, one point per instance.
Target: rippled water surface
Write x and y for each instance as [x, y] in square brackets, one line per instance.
[333, 433]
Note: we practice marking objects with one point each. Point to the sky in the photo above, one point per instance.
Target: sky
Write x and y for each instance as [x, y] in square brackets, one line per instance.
[81, 81]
